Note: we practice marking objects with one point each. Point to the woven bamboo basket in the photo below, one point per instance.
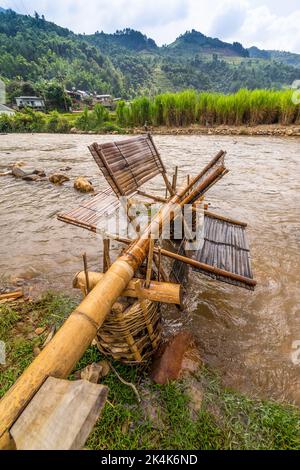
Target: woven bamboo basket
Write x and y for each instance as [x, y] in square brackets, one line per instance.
[133, 335]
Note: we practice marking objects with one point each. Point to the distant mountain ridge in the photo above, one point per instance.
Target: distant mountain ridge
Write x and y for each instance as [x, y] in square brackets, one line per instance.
[194, 42]
[127, 63]
[289, 58]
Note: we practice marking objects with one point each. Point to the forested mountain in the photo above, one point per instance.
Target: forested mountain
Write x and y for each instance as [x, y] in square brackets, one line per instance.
[288, 58]
[127, 63]
[36, 50]
[193, 42]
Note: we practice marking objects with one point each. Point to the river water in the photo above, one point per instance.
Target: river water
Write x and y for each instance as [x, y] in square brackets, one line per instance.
[250, 338]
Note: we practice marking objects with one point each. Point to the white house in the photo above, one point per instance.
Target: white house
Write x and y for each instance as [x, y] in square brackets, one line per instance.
[33, 102]
[6, 110]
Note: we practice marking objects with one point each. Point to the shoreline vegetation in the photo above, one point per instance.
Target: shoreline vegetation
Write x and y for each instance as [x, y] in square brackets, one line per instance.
[257, 112]
[197, 412]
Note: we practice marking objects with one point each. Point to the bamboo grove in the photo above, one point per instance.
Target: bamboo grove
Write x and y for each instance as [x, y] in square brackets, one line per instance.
[190, 107]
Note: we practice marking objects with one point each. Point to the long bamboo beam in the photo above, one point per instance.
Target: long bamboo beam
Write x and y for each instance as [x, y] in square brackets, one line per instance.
[208, 268]
[165, 292]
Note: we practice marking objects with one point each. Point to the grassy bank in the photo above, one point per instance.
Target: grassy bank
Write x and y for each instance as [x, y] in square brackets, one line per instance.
[223, 420]
[257, 107]
[97, 120]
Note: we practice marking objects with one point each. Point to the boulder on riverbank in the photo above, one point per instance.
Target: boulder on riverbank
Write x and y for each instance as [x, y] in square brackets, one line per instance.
[175, 359]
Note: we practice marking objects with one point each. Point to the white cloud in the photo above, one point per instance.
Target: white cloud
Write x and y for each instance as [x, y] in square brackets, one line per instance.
[270, 31]
[269, 24]
[230, 19]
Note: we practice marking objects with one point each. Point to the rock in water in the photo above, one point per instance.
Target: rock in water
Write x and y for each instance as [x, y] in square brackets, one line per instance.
[83, 185]
[31, 178]
[30, 174]
[58, 178]
[168, 364]
[40, 173]
[18, 173]
[17, 164]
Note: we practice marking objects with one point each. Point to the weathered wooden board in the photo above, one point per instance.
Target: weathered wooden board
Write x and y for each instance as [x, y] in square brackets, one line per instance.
[60, 416]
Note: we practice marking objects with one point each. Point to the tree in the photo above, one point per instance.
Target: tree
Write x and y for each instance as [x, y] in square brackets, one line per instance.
[56, 97]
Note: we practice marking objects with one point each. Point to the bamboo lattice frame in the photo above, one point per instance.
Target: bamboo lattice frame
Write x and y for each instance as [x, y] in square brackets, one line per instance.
[131, 336]
[128, 164]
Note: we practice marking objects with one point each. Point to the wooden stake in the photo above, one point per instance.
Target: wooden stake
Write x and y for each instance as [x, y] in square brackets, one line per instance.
[106, 255]
[159, 263]
[162, 273]
[86, 271]
[150, 263]
[174, 182]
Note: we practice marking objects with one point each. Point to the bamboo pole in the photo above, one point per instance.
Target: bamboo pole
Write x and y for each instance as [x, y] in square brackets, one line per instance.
[151, 196]
[224, 218]
[202, 266]
[209, 268]
[165, 292]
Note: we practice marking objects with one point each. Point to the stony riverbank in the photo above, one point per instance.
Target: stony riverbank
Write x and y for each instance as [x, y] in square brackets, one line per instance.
[262, 130]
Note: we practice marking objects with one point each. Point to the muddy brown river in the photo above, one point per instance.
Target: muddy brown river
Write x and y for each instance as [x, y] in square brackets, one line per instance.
[252, 339]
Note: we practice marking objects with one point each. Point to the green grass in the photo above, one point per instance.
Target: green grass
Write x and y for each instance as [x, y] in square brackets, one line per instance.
[188, 107]
[226, 420]
[17, 326]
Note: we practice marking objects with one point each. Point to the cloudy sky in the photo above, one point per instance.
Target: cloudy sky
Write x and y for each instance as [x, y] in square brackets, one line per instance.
[268, 24]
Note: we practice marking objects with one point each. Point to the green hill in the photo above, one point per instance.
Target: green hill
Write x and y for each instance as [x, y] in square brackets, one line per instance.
[193, 42]
[284, 57]
[36, 50]
[128, 63]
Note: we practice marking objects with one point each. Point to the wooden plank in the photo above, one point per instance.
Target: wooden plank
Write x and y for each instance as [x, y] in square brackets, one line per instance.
[60, 416]
[12, 295]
